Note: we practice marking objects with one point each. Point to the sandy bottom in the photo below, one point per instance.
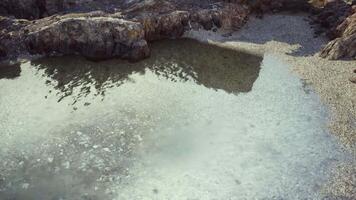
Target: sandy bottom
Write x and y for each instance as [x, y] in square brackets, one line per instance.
[289, 37]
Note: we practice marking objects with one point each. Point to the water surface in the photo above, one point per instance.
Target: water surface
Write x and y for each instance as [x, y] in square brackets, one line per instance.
[193, 121]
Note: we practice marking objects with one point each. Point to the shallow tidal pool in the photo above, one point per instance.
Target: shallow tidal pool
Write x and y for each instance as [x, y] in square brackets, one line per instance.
[194, 121]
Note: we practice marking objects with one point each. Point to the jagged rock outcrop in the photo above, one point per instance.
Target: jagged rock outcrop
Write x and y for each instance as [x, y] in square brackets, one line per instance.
[337, 20]
[327, 18]
[94, 35]
[173, 22]
[343, 46]
[100, 35]
[266, 6]
[122, 28]
[11, 37]
[97, 37]
[35, 9]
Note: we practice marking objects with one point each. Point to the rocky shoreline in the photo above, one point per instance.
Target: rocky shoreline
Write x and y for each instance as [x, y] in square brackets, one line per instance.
[123, 29]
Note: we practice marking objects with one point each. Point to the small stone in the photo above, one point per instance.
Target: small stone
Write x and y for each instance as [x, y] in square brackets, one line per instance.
[353, 79]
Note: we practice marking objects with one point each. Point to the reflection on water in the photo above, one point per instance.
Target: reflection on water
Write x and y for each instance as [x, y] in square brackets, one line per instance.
[181, 60]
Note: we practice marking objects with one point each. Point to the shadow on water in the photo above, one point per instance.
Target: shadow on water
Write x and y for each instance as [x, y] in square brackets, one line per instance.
[83, 159]
[182, 60]
[10, 71]
[162, 132]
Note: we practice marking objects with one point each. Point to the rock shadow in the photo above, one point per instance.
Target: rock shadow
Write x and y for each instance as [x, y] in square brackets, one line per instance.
[176, 60]
[10, 71]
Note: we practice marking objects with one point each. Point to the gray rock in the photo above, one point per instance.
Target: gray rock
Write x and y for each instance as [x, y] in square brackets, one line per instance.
[343, 46]
[100, 35]
[93, 37]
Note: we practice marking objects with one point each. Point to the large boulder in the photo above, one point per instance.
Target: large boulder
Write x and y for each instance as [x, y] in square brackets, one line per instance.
[162, 19]
[98, 37]
[12, 37]
[169, 25]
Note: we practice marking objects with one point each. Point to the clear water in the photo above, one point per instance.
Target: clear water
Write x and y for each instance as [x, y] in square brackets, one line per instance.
[192, 122]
